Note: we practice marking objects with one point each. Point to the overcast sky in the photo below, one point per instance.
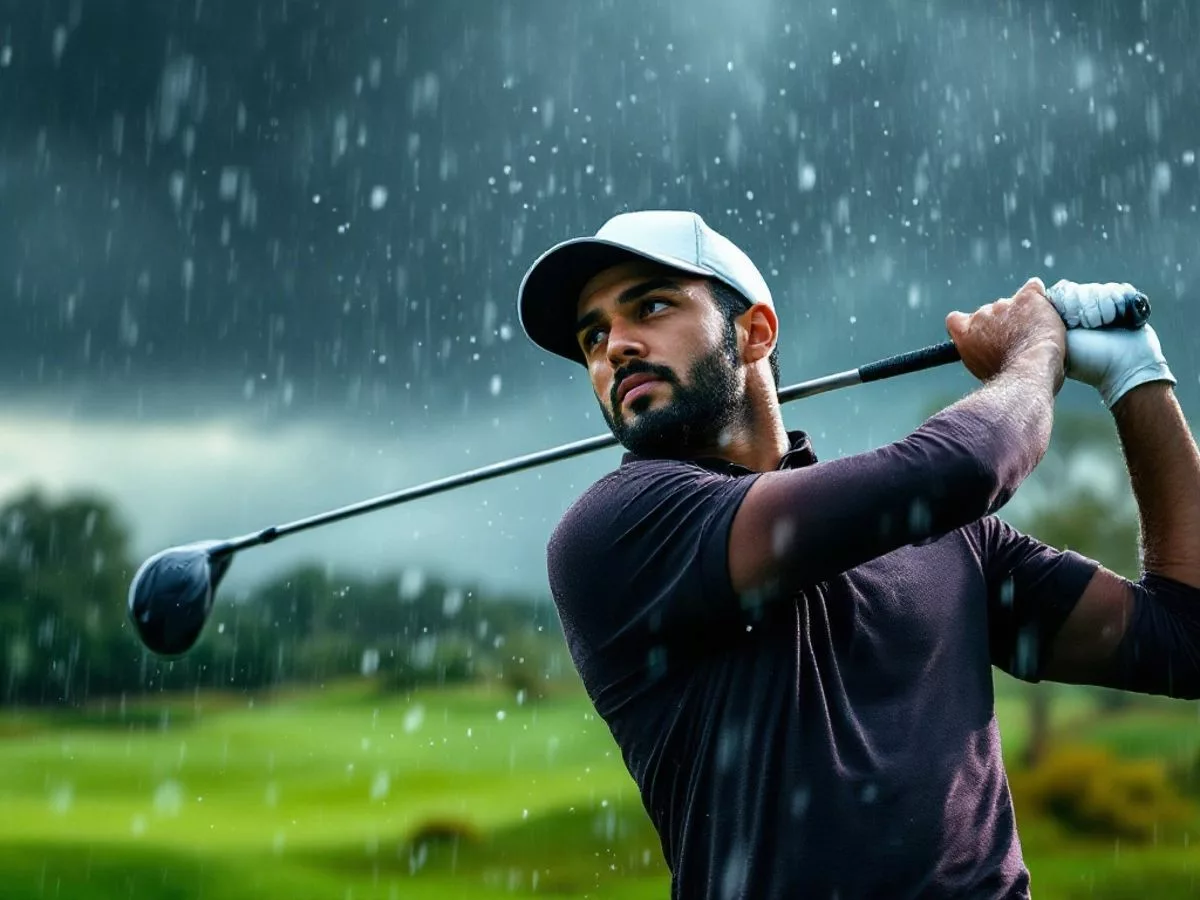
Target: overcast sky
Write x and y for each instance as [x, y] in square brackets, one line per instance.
[258, 259]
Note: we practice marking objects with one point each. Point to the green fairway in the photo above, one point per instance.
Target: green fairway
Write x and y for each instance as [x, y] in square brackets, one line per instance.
[344, 792]
[222, 797]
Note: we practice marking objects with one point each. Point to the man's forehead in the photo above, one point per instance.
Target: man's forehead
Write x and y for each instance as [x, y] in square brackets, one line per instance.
[616, 278]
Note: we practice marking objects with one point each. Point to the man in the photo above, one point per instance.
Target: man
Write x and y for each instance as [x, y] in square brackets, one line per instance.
[794, 657]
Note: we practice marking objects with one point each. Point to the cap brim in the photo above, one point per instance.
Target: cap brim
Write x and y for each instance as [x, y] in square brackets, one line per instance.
[550, 291]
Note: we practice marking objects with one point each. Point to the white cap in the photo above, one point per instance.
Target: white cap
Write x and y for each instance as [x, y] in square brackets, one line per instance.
[550, 290]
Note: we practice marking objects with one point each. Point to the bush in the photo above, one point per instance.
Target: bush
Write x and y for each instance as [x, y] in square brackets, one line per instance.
[1090, 792]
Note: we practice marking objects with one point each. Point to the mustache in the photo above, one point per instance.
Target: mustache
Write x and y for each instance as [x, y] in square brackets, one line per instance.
[640, 368]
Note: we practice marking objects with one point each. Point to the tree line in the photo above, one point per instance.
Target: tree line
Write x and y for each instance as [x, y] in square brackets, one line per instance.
[65, 568]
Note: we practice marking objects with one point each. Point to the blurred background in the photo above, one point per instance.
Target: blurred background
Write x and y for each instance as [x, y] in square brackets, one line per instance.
[259, 259]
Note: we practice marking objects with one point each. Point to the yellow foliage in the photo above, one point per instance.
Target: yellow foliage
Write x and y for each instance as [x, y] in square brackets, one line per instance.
[1092, 792]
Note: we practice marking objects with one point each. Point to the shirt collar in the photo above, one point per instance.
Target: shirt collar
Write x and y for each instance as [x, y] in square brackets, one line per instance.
[798, 455]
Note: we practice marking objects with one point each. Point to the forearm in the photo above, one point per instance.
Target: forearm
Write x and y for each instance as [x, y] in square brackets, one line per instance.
[1017, 410]
[1164, 470]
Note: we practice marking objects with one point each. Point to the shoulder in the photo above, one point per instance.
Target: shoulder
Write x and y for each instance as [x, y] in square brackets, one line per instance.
[644, 488]
[646, 508]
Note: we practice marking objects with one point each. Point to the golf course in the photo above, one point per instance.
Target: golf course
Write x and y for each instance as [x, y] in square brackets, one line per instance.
[346, 792]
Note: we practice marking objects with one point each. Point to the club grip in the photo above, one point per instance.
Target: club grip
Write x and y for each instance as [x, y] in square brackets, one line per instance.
[1131, 316]
[913, 361]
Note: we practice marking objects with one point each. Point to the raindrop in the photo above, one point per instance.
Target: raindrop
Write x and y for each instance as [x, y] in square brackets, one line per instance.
[61, 799]
[808, 177]
[734, 877]
[1161, 181]
[413, 719]
[370, 661]
[5, 56]
[168, 799]
[379, 196]
[800, 800]
[381, 785]
[1085, 73]
[60, 43]
[228, 184]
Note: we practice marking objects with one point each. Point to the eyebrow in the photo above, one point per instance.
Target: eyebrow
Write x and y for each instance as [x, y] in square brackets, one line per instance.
[629, 295]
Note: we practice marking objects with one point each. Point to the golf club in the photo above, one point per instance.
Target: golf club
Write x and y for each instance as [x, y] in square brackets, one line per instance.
[172, 592]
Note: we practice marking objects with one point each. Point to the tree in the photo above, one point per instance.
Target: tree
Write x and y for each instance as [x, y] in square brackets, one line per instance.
[64, 568]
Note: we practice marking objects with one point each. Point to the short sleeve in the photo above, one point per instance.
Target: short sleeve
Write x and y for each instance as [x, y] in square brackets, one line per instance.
[639, 564]
[1032, 588]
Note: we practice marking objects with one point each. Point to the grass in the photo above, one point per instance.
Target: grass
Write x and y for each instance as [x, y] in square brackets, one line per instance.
[348, 794]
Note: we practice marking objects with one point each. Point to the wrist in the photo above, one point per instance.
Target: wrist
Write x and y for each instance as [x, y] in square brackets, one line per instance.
[1130, 405]
[1152, 373]
[1044, 362]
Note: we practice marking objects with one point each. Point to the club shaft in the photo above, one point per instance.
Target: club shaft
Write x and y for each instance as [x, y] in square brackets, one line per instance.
[928, 357]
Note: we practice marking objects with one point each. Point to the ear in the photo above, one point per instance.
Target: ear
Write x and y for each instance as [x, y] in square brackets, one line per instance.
[760, 326]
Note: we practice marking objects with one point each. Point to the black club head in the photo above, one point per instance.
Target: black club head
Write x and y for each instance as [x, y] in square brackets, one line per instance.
[172, 593]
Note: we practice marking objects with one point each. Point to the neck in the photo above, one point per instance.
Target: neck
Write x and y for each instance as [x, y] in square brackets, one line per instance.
[760, 444]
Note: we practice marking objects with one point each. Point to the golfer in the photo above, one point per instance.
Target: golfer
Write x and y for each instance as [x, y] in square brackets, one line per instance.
[795, 656]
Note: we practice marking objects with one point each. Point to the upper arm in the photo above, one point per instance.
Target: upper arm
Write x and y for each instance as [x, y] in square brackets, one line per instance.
[1083, 649]
[1139, 636]
[1057, 615]
[1033, 590]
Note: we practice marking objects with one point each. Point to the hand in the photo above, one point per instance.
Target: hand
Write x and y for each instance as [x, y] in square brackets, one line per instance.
[1113, 360]
[1010, 333]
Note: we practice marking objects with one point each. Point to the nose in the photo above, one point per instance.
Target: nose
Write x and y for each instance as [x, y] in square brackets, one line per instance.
[624, 342]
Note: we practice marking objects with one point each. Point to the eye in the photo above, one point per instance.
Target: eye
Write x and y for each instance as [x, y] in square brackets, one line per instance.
[590, 337]
[652, 301]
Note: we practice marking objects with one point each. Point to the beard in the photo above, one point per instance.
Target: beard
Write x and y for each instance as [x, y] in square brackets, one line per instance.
[696, 417]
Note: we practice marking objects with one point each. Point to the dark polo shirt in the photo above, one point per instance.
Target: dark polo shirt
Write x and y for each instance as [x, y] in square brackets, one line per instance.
[840, 741]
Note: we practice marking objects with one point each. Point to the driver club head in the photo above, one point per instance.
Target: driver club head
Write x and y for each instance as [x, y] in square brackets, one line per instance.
[172, 593]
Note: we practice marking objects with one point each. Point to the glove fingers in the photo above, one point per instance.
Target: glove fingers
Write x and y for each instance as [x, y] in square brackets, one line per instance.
[1093, 296]
[1066, 302]
[1091, 305]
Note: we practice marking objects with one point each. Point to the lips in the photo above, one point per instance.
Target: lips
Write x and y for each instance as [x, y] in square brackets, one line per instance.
[631, 383]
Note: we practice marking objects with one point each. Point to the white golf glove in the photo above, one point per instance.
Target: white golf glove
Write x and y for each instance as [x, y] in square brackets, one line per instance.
[1112, 360]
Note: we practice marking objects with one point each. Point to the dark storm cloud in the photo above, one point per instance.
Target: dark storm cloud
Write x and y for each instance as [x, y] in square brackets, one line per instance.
[258, 259]
[322, 203]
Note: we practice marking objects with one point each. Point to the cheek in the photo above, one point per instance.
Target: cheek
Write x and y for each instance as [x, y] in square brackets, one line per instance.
[602, 386]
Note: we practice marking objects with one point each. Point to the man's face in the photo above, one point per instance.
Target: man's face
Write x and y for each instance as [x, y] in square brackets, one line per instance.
[646, 325]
